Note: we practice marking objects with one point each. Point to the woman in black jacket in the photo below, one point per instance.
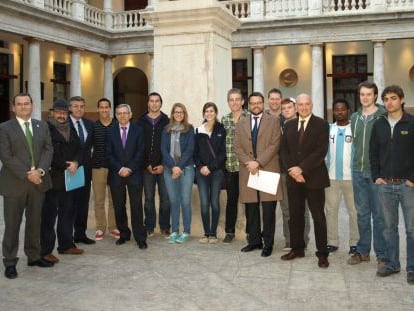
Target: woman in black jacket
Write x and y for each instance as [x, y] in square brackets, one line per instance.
[209, 159]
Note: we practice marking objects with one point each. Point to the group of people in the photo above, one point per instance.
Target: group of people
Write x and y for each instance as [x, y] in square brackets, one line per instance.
[366, 159]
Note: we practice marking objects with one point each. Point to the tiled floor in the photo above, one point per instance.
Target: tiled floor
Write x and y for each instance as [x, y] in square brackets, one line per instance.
[203, 277]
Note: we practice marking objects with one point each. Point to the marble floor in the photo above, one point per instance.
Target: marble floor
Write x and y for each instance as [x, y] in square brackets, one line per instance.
[203, 277]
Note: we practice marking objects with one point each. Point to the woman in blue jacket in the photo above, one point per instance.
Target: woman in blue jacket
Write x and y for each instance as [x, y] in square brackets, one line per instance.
[177, 148]
[209, 158]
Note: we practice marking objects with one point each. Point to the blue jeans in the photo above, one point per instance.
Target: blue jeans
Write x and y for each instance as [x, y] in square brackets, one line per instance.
[209, 189]
[179, 193]
[150, 180]
[391, 195]
[367, 205]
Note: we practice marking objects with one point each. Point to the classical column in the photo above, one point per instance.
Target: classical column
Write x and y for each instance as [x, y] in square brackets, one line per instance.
[108, 16]
[108, 81]
[317, 80]
[258, 76]
[75, 73]
[34, 77]
[379, 72]
[151, 82]
[192, 53]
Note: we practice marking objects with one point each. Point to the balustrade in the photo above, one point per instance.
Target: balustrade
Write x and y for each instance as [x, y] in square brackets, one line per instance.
[61, 7]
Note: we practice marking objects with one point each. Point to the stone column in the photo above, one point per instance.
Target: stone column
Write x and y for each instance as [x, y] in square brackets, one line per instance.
[75, 73]
[379, 71]
[108, 80]
[34, 77]
[192, 53]
[108, 13]
[317, 80]
[258, 75]
[151, 82]
[78, 10]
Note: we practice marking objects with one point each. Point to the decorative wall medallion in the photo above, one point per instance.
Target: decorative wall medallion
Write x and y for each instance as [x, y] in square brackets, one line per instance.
[288, 77]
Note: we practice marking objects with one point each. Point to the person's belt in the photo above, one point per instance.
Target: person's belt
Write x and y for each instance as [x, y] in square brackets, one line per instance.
[395, 181]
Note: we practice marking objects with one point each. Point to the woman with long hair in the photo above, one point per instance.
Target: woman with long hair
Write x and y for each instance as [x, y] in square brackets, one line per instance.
[177, 148]
[209, 158]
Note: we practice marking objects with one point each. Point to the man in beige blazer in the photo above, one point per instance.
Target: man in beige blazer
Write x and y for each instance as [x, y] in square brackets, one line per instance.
[256, 144]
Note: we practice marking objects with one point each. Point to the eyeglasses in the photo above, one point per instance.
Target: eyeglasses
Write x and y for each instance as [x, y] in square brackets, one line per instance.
[122, 113]
[178, 112]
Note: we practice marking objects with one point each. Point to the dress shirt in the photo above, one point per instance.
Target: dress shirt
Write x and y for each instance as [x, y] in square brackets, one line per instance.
[306, 122]
[75, 125]
[23, 127]
[259, 117]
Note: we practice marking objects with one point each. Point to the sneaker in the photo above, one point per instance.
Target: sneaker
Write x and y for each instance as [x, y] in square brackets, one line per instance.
[212, 239]
[384, 271]
[331, 248]
[115, 233]
[410, 277]
[150, 233]
[352, 250]
[182, 238]
[172, 238]
[357, 258]
[204, 240]
[228, 238]
[287, 248]
[99, 235]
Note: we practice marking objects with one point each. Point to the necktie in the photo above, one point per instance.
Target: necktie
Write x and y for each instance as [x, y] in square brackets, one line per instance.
[80, 132]
[124, 136]
[301, 131]
[29, 139]
[254, 132]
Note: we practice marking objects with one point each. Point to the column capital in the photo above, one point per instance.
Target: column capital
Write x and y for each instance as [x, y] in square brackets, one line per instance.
[379, 41]
[317, 44]
[33, 39]
[106, 56]
[74, 49]
[258, 47]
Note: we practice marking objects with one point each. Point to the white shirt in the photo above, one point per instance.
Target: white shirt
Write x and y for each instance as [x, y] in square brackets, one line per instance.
[259, 117]
[304, 124]
[22, 122]
[75, 123]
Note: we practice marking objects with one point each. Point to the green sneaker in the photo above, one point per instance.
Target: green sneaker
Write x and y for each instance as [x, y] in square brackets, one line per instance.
[172, 238]
[182, 238]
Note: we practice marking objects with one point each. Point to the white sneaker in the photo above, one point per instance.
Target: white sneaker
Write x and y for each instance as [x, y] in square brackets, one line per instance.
[204, 240]
[99, 235]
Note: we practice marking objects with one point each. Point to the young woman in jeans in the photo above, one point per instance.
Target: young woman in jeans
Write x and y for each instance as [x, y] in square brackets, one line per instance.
[177, 148]
[209, 158]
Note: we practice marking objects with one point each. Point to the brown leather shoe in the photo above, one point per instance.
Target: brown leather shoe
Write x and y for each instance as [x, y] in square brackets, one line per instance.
[72, 251]
[323, 262]
[51, 258]
[292, 255]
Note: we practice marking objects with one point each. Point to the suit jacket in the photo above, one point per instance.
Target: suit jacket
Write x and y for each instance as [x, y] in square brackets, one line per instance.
[63, 151]
[310, 155]
[16, 159]
[267, 150]
[132, 156]
[86, 147]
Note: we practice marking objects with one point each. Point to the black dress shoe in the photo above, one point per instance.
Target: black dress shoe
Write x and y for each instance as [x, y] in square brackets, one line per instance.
[10, 272]
[85, 240]
[142, 244]
[251, 247]
[40, 263]
[267, 251]
[292, 255]
[323, 262]
[121, 241]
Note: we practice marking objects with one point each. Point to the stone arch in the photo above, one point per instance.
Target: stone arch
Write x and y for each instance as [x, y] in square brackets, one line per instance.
[131, 87]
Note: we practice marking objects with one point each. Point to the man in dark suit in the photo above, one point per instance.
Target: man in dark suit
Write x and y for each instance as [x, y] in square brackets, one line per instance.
[303, 150]
[26, 153]
[125, 155]
[84, 129]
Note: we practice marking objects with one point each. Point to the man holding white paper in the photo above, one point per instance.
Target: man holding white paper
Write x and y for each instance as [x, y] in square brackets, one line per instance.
[59, 203]
[256, 144]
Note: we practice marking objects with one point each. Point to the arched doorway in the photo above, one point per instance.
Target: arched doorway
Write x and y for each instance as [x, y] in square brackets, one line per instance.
[131, 87]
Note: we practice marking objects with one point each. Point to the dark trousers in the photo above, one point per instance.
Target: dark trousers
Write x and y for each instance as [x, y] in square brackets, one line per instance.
[232, 187]
[118, 192]
[268, 219]
[81, 203]
[298, 194]
[150, 181]
[29, 204]
[58, 204]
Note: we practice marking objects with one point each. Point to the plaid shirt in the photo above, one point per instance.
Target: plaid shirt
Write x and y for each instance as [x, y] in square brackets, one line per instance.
[232, 162]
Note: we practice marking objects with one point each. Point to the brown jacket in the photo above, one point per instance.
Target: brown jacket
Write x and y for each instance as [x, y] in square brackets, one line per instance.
[267, 149]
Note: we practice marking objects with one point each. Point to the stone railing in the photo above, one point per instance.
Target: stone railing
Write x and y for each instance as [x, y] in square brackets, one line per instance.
[246, 10]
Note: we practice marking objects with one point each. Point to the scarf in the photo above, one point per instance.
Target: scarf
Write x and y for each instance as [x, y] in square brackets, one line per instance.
[175, 151]
[63, 128]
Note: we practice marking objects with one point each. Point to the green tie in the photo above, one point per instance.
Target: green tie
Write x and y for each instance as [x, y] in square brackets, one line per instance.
[29, 139]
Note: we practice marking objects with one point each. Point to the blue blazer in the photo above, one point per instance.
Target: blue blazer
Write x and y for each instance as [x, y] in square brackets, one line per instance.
[187, 149]
[132, 156]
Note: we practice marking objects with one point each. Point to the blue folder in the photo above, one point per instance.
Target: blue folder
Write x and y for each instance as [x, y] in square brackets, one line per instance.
[76, 180]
